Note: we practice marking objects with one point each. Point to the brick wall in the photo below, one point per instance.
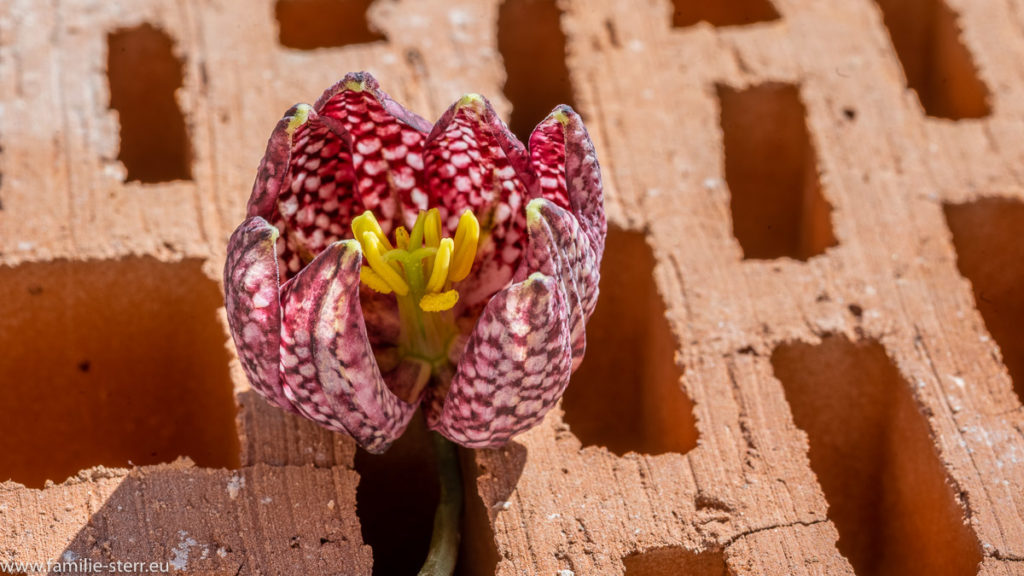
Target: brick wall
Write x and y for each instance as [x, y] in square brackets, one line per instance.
[807, 358]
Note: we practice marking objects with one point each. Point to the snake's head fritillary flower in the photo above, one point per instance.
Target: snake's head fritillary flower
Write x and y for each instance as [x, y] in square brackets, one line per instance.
[387, 264]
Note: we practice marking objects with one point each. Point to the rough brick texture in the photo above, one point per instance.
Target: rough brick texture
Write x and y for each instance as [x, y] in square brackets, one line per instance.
[806, 359]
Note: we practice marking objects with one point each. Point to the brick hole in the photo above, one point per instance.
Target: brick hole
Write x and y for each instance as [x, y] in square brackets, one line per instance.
[778, 209]
[627, 394]
[674, 560]
[311, 24]
[112, 362]
[936, 63]
[532, 44]
[397, 494]
[144, 74]
[989, 253]
[871, 449]
[722, 12]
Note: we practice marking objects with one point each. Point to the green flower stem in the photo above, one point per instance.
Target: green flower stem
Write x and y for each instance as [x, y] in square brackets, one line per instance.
[444, 544]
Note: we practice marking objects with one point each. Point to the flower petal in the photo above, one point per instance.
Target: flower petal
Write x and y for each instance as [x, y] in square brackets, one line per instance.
[327, 365]
[473, 162]
[515, 367]
[387, 148]
[355, 149]
[304, 186]
[274, 164]
[563, 159]
[253, 306]
[558, 248]
[317, 201]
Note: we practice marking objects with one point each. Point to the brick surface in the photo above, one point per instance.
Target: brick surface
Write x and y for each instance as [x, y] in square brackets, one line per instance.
[803, 364]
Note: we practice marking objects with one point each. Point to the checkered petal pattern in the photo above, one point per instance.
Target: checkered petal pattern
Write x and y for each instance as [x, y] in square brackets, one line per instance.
[308, 338]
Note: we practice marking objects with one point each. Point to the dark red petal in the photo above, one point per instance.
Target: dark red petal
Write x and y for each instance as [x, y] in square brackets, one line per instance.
[583, 177]
[368, 83]
[563, 159]
[327, 365]
[304, 186]
[274, 165]
[558, 248]
[317, 202]
[387, 148]
[356, 149]
[547, 159]
[473, 162]
[515, 367]
[253, 307]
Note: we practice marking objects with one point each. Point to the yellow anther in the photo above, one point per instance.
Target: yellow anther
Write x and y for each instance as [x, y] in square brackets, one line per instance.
[371, 248]
[442, 261]
[432, 227]
[367, 222]
[439, 302]
[422, 264]
[467, 237]
[374, 281]
[401, 238]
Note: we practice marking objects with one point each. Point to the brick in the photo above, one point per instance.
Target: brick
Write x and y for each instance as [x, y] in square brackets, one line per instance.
[747, 301]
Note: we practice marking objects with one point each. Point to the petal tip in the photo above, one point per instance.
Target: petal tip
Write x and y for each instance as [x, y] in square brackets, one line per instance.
[540, 210]
[472, 100]
[258, 229]
[359, 81]
[297, 116]
[535, 208]
[563, 113]
[539, 281]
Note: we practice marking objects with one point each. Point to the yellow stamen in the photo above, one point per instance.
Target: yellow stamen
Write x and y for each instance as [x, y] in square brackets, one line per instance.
[467, 237]
[416, 238]
[366, 222]
[371, 248]
[439, 302]
[423, 264]
[374, 281]
[419, 270]
[432, 227]
[442, 260]
[401, 238]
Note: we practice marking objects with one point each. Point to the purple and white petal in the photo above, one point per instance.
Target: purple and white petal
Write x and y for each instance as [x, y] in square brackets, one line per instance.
[565, 164]
[474, 163]
[515, 367]
[273, 167]
[386, 149]
[327, 364]
[558, 248]
[253, 306]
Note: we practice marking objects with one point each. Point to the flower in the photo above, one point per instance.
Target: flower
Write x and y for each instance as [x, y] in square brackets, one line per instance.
[387, 264]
